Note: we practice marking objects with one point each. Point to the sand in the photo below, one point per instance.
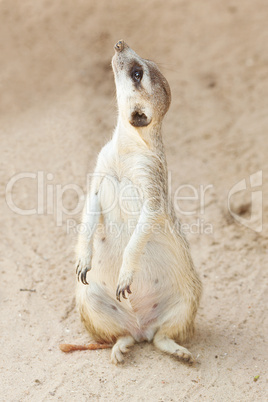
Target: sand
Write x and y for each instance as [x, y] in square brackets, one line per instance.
[57, 109]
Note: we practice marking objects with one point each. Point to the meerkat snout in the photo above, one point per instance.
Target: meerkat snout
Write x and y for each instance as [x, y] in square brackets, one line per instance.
[119, 46]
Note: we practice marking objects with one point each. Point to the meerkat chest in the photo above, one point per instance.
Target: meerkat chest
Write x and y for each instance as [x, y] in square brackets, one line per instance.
[120, 198]
[122, 190]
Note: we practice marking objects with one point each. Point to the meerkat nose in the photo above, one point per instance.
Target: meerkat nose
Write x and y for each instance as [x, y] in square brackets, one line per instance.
[119, 46]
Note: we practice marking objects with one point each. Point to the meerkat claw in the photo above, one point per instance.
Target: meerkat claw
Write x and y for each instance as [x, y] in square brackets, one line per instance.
[120, 292]
[84, 275]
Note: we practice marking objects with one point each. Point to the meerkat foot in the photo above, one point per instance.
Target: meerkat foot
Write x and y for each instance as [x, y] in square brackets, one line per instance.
[167, 345]
[120, 348]
[83, 265]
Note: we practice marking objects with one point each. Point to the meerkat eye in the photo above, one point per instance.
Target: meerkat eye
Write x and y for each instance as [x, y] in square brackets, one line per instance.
[137, 75]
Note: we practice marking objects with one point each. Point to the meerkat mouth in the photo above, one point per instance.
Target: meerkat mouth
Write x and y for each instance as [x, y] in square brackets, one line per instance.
[139, 119]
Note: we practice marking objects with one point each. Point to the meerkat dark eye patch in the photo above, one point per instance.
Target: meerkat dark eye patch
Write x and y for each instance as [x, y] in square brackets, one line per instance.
[136, 73]
[139, 119]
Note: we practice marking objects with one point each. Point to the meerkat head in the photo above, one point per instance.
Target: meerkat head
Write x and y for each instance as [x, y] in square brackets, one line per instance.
[143, 93]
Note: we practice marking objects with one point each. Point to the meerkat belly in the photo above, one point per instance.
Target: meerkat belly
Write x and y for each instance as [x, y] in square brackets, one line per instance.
[145, 310]
[154, 288]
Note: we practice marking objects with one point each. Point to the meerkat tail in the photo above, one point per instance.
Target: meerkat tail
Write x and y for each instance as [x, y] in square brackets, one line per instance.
[67, 347]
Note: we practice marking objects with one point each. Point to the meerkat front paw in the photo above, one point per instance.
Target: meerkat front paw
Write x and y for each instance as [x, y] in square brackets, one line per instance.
[124, 282]
[83, 265]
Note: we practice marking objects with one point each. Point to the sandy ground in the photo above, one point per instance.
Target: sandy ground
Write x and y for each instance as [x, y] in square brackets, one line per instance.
[57, 109]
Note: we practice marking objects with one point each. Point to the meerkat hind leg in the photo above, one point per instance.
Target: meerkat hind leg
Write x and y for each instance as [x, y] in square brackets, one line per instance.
[121, 346]
[168, 345]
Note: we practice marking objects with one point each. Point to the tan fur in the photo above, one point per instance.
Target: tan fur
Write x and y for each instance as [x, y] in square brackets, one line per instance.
[132, 242]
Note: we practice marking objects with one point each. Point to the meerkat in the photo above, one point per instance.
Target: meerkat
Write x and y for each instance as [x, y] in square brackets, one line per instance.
[136, 278]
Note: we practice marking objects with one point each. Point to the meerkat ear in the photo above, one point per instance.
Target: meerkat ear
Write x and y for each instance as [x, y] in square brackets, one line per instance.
[139, 119]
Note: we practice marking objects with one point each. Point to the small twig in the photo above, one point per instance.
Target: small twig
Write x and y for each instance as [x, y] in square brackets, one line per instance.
[27, 290]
